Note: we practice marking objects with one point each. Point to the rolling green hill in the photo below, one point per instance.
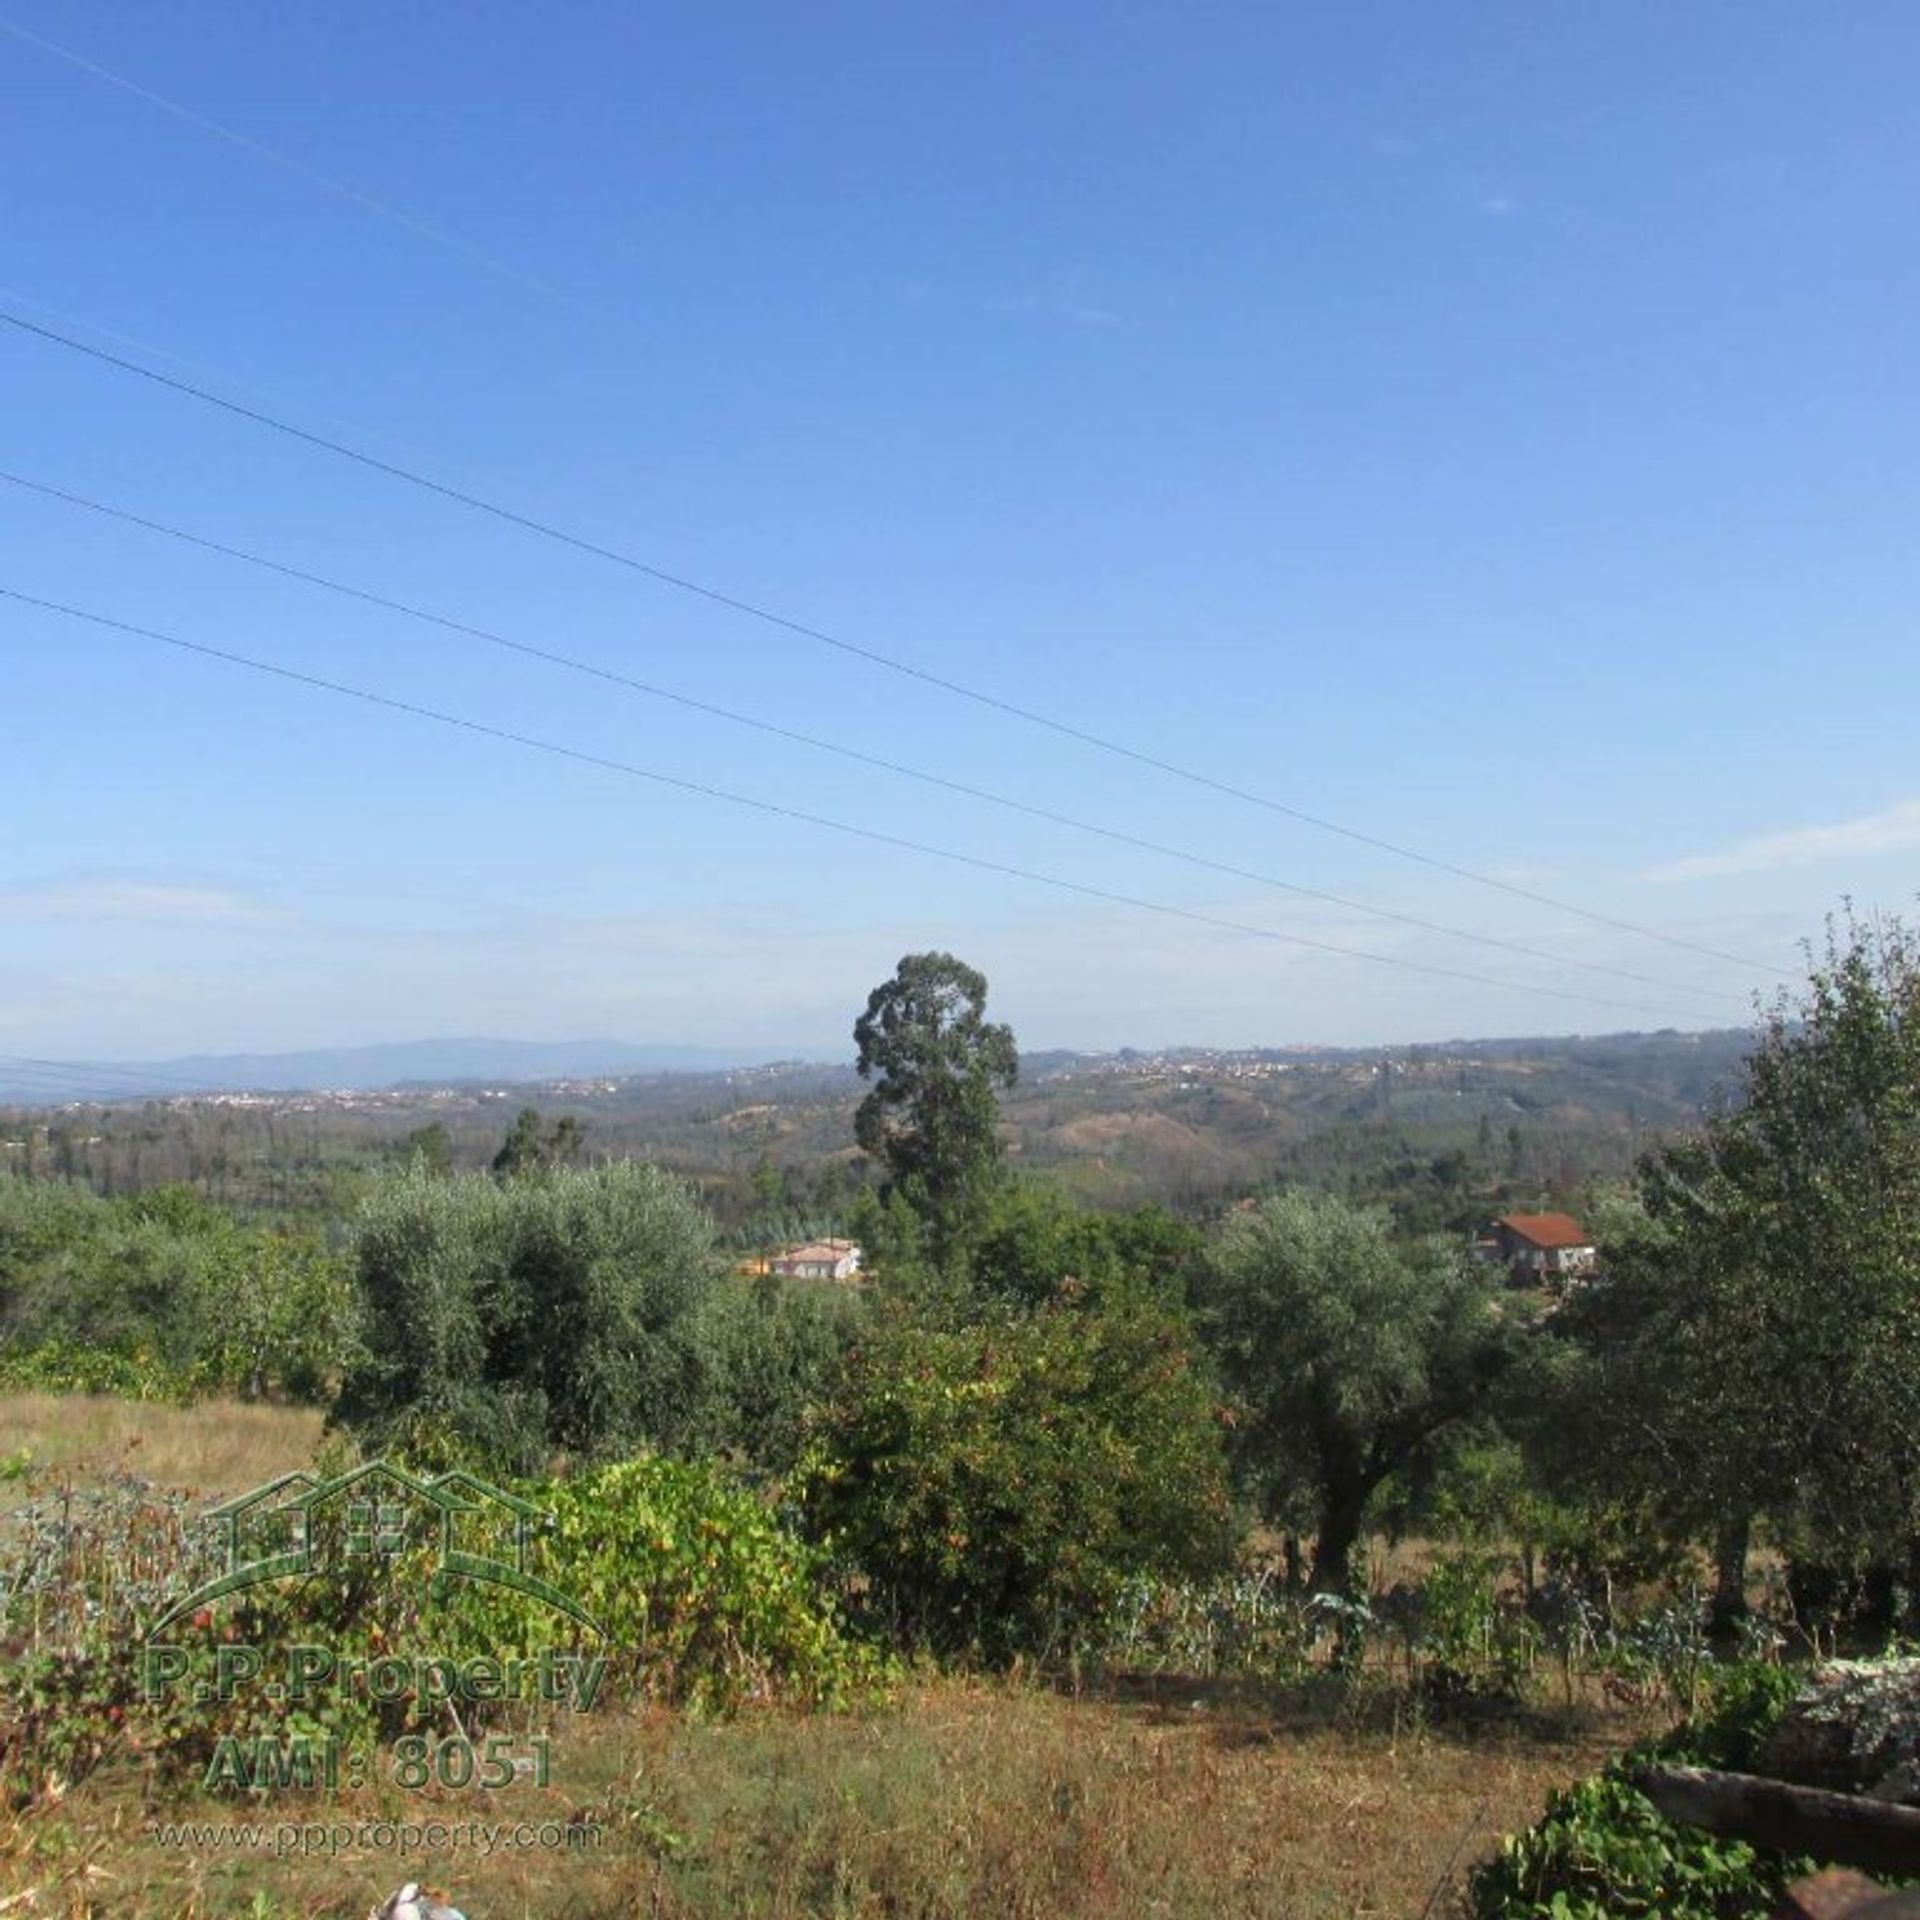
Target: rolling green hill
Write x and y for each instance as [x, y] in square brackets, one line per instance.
[1438, 1130]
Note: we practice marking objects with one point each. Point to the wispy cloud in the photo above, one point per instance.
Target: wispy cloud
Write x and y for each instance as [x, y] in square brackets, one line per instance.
[1872, 833]
[1067, 296]
[1486, 195]
[1067, 307]
[117, 897]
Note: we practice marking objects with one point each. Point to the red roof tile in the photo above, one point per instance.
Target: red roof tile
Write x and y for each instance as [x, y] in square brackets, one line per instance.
[1546, 1229]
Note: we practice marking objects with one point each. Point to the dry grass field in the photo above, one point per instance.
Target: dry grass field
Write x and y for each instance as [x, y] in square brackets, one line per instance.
[221, 1447]
[963, 1799]
[960, 1798]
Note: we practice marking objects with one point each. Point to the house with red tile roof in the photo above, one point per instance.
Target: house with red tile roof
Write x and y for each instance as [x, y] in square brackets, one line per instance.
[817, 1260]
[1539, 1246]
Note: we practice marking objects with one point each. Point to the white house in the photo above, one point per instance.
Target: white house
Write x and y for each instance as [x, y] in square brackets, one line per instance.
[818, 1260]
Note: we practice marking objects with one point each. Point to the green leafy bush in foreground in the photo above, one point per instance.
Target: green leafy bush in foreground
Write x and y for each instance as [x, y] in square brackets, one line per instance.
[1604, 1852]
[706, 1601]
[705, 1597]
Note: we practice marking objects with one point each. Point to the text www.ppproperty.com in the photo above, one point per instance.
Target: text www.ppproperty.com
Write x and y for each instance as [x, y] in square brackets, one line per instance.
[402, 1838]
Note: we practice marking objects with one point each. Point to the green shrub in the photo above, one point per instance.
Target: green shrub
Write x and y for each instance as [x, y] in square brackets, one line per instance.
[60, 1367]
[1604, 1852]
[163, 1296]
[994, 1486]
[1473, 1643]
[1034, 1240]
[776, 1351]
[706, 1598]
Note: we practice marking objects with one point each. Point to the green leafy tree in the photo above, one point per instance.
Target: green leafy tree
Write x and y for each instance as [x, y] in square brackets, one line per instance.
[932, 1118]
[1822, 1169]
[432, 1145]
[280, 1316]
[165, 1279]
[777, 1349]
[1638, 1411]
[996, 1483]
[567, 1143]
[1352, 1358]
[1580, 1472]
[1754, 1347]
[1033, 1244]
[531, 1147]
[893, 1247]
[523, 1150]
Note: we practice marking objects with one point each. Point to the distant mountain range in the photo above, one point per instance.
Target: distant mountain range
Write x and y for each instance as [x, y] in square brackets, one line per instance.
[1678, 1069]
[364, 1069]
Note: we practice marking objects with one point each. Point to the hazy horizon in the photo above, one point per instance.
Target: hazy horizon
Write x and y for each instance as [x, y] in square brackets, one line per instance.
[518, 1059]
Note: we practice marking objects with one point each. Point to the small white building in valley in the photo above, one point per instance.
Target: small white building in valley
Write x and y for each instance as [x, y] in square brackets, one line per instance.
[817, 1260]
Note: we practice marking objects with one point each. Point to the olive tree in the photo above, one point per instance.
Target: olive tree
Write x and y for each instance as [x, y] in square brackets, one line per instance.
[564, 1312]
[1352, 1358]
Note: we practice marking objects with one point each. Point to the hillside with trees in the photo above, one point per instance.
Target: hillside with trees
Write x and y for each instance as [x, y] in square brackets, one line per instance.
[1443, 1132]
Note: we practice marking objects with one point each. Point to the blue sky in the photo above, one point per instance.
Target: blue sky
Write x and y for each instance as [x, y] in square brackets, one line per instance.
[1493, 429]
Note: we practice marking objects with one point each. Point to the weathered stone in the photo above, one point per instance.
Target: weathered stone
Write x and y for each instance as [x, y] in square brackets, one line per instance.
[1855, 1728]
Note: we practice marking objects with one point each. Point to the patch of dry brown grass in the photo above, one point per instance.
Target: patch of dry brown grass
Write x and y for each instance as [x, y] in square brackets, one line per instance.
[987, 1800]
[967, 1799]
[215, 1447]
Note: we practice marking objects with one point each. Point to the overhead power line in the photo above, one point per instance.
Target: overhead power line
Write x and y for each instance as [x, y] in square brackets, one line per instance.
[23, 1084]
[610, 676]
[185, 363]
[85, 1076]
[768, 616]
[287, 163]
[777, 810]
